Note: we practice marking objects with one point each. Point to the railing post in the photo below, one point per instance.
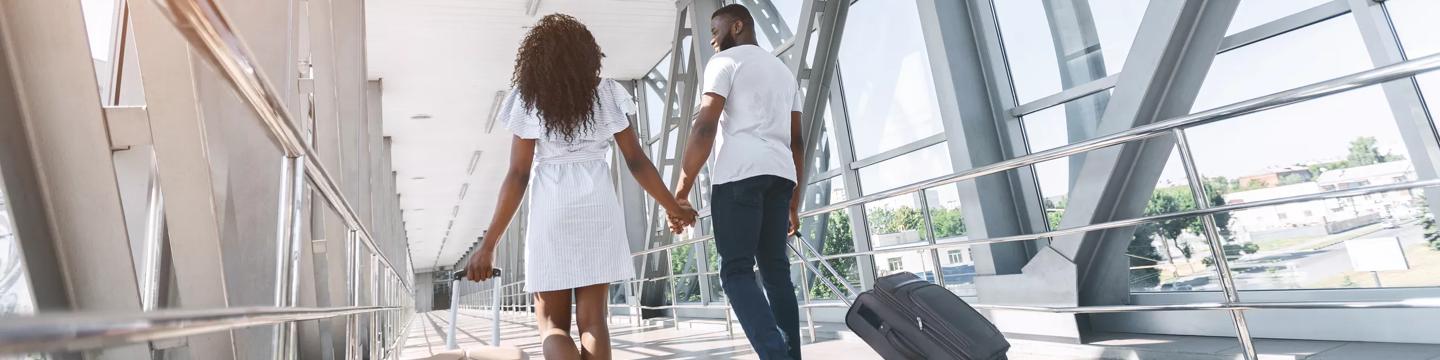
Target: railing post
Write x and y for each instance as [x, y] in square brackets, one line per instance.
[1217, 250]
[454, 313]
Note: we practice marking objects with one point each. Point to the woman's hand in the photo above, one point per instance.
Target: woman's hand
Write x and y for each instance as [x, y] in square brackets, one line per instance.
[682, 217]
[481, 266]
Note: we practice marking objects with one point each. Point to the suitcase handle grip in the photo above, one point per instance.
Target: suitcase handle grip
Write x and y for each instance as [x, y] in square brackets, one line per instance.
[900, 344]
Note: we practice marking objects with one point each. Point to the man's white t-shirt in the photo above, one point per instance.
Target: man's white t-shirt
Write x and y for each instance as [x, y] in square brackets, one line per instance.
[760, 93]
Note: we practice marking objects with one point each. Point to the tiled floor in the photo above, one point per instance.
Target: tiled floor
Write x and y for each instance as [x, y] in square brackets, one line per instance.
[700, 339]
[695, 340]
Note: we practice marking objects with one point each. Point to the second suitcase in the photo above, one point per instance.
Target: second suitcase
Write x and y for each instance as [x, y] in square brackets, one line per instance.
[906, 317]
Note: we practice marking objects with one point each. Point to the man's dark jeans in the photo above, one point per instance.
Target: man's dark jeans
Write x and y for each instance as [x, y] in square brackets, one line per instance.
[752, 217]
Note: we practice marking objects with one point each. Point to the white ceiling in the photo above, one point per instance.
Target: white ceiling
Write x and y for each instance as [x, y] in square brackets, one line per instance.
[448, 59]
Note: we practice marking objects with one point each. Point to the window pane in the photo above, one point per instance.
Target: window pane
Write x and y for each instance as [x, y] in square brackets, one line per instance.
[1415, 24]
[15, 295]
[923, 164]
[100, 19]
[846, 266]
[1067, 123]
[682, 260]
[946, 216]
[687, 289]
[885, 73]
[1095, 37]
[654, 110]
[1350, 140]
[896, 221]
[1284, 62]
[916, 262]
[835, 238]
[717, 289]
[1255, 13]
[957, 267]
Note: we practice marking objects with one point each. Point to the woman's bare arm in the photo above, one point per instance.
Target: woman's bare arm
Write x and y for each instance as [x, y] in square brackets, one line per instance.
[645, 173]
[512, 190]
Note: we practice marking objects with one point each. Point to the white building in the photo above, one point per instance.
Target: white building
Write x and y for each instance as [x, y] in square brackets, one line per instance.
[1395, 204]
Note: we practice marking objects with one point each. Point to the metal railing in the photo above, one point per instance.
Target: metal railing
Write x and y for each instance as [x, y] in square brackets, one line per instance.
[1175, 127]
[78, 332]
[208, 31]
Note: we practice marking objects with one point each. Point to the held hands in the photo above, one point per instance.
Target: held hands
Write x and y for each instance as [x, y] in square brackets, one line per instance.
[683, 217]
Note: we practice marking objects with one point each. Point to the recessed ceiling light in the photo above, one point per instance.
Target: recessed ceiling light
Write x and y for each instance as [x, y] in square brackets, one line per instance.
[421, 209]
[420, 116]
[418, 178]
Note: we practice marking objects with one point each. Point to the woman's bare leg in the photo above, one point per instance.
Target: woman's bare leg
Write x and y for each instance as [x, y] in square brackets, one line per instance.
[591, 313]
[552, 313]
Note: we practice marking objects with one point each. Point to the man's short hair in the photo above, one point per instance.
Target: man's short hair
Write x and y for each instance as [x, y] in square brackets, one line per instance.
[736, 12]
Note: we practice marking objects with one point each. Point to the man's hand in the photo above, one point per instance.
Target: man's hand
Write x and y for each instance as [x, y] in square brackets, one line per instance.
[480, 266]
[794, 221]
[684, 218]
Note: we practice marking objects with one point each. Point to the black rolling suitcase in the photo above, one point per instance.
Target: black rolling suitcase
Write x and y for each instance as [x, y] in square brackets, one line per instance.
[906, 317]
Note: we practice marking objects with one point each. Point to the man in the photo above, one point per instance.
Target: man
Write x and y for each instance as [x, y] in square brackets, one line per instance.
[750, 113]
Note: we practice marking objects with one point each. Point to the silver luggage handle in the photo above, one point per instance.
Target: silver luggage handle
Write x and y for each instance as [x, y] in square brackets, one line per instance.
[455, 308]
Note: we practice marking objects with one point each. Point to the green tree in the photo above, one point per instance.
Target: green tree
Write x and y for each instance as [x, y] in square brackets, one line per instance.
[838, 240]
[947, 222]
[890, 221]
[1432, 232]
[1363, 151]
[1143, 258]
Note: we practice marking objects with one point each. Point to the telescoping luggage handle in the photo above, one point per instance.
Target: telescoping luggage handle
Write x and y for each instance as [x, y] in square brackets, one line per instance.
[455, 308]
[800, 251]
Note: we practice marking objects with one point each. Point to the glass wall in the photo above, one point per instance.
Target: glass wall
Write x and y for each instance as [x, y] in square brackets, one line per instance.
[15, 295]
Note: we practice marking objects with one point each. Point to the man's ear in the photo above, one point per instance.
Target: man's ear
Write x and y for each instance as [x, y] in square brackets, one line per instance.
[737, 28]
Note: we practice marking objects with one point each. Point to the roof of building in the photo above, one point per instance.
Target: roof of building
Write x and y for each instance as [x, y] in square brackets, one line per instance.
[1277, 192]
[1365, 172]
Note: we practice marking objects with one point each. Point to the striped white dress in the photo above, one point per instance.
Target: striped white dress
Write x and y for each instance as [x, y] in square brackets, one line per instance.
[575, 235]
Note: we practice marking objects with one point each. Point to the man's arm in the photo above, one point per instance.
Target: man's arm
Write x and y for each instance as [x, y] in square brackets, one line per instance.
[702, 138]
[797, 150]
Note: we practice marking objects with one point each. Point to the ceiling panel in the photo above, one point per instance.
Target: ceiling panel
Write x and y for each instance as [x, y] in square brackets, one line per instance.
[447, 59]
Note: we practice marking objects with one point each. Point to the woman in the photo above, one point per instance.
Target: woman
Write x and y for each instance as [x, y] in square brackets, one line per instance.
[564, 118]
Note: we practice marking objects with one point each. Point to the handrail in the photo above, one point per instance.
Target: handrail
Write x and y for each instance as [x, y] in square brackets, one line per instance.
[207, 29]
[1274, 100]
[1414, 303]
[1287, 97]
[76, 332]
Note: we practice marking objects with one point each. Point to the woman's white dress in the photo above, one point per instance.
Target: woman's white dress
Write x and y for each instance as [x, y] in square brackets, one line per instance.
[575, 234]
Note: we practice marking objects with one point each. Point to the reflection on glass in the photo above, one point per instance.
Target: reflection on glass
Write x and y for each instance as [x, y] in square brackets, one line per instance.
[896, 221]
[1284, 62]
[1414, 22]
[823, 192]
[1057, 44]
[919, 165]
[687, 289]
[1255, 13]
[717, 289]
[654, 111]
[846, 266]
[946, 216]
[827, 155]
[885, 73]
[957, 268]
[15, 295]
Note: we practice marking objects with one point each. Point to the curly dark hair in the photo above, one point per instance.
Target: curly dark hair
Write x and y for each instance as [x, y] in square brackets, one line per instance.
[557, 72]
